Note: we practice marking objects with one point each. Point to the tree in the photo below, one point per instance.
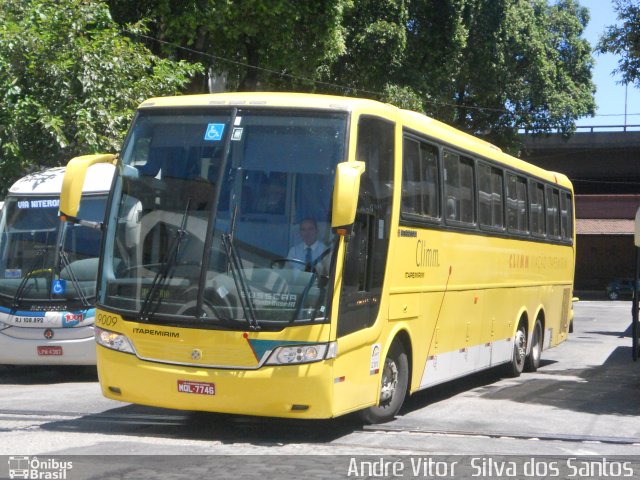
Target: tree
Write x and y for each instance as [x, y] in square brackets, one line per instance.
[526, 67]
[489, 67]
[260, 44]
[376, 40]
[70, 81]
[624, 41]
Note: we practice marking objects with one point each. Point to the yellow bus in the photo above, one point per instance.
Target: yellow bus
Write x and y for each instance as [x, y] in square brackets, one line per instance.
[307, 256]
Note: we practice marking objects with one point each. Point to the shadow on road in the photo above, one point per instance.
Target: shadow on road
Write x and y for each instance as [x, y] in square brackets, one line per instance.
[608, 389]
[46, 375]
[138, 420]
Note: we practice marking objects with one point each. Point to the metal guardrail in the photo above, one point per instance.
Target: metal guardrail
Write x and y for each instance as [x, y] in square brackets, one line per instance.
[609, 128]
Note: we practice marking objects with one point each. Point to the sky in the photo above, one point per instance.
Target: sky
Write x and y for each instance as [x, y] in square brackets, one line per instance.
[610, 96]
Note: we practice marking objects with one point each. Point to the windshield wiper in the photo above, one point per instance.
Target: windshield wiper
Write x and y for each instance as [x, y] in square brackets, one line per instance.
[153, 295]
[237, 272]
[22, 287]
[64, 258]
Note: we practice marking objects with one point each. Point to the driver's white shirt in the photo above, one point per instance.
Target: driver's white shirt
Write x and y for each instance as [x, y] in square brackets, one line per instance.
[299, 252]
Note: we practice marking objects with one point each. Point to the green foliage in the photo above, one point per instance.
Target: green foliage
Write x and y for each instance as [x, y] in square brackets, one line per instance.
[624, 40]
[489, 67]
[248, 39]
[526, 66]
[71, 76]
[70, 82]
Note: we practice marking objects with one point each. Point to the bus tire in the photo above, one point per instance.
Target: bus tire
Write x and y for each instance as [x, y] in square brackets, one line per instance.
[516, 366]
[533, 359]
[393, 387]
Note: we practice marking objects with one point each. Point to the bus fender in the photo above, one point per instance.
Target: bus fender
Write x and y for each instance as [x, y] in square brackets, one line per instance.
[400, 333]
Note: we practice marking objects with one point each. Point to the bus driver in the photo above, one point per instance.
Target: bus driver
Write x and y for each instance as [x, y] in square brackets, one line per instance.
[310, 249]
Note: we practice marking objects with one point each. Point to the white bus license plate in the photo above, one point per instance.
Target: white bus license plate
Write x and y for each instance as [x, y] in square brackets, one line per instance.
[200, 388]
[46, 350]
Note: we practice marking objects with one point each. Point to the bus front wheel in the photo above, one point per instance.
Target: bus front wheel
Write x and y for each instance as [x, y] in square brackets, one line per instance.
[393, 387]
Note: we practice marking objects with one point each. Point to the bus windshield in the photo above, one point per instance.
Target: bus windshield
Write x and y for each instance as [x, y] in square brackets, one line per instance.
[33, 244]
[223, 217]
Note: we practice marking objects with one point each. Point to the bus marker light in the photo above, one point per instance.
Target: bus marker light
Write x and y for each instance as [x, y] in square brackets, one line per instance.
[339, 379]
[245, 335]
[299, 408]
[115, 390]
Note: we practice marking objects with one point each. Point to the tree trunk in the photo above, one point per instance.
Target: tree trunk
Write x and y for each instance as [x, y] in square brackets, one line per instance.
[250, 81]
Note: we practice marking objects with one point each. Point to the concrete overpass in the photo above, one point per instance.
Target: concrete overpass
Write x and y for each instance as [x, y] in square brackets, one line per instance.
[604, 162]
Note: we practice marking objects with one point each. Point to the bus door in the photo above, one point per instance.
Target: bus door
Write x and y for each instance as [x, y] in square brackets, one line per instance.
[359, 356]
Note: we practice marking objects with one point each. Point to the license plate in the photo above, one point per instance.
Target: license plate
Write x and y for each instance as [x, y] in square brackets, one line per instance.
[200, 388]
[45, 351]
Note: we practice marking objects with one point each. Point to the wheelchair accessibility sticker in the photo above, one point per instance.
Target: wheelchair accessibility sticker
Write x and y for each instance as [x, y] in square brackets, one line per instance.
[214, 132]
[58, 287]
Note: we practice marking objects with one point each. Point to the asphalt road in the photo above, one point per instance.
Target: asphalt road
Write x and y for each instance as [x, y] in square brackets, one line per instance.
[582, 401]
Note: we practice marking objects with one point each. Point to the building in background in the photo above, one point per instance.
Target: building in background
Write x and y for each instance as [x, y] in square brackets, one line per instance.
[604, 167]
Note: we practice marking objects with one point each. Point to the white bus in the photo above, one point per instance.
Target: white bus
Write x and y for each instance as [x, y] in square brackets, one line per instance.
[48, 270]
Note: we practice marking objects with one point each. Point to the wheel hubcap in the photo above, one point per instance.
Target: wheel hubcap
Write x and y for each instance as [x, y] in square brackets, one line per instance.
[521, 346]
[389, 381]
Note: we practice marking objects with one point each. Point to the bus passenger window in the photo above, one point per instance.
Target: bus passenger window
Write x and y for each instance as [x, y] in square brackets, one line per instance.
[553, 212]
[411, 181]
[536, 207]
[517, 218]
[490, 193]
[566, 217]
[459, 188]
[420, 180]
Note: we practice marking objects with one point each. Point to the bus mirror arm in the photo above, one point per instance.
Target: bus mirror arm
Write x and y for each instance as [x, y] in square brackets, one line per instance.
[73, 181]
[85, 223]
[345, 196]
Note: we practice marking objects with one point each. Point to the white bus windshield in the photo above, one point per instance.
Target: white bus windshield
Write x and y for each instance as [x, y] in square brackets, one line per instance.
[30, 261]
[223, 217]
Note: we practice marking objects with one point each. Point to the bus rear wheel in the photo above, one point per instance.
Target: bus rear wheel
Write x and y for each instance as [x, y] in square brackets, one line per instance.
[533, 359]
[393, 387]
[516, 366]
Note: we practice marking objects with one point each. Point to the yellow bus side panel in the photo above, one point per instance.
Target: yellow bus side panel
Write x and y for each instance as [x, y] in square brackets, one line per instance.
[472, 291]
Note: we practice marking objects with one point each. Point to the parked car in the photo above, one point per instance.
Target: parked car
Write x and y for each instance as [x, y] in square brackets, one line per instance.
[619, 287]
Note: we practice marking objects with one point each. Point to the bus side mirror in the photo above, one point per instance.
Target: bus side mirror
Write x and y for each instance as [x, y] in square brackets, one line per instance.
[73, 181]
[345, 195]
[636, 236]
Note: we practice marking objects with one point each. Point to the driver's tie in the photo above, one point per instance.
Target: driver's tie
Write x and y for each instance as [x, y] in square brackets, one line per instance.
[307, 259]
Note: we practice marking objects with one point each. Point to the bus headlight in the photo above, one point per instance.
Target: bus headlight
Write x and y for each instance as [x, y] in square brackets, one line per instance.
[302, 354]
[113, 340]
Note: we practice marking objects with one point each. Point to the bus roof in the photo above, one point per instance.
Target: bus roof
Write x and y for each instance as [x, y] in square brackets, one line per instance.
[49, 182]
[410, 119]
[262, 99]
